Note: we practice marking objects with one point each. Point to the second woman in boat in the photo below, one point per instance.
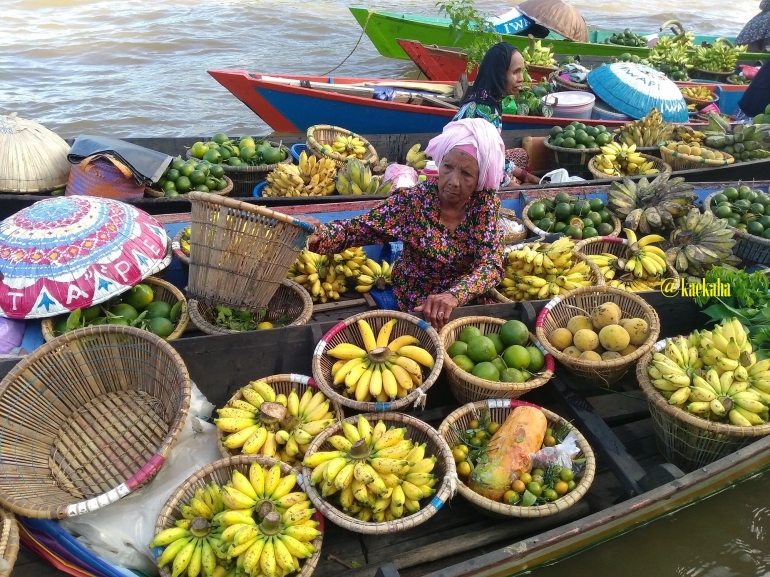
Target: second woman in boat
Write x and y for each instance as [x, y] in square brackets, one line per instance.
[452, 250]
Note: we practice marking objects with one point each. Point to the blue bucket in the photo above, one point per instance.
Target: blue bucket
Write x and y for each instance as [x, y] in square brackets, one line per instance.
[258, 189]
[296, 150]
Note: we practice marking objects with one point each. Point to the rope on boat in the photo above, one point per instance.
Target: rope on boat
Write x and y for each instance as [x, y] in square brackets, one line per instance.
[363, 31]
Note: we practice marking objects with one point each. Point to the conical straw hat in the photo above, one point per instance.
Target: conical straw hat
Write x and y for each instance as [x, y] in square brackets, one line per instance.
[32, 158]
[558, 16]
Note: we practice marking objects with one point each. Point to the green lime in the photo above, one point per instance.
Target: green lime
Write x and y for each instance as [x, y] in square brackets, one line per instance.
[558, 141]
[173, 315]
[183, 184]
[118, 321]
[516, 357]
[766, 234]
[271, 155]
[220, 138]
[592, 131]
[464, 362]
[197, 177]
[723, 212]
[604, 213]
[562, 197]
[536, 211]
[573, 232]
[221, 184]
[562, 211]
[173, 174]
[177, 163]
[171, 194]
[202, 188]
[536, 360]
[204, 167]
[125, 311]
[594, 217]
[601, 128]
[187, 169]
[234, 161]
[499, 364]
[731, 193]
[559, 226]
[550, 495]
[580, 146]
[225, 152]
[755, 228]
[213, 156]
[590, 232]
[514, 333]
[764, 220]
[528, 499]
[160, 326]
[581, 136]
[211, 183]
[545, 224]
[535, 488]
[604, 229]
[569, 143]
[216, 171]
[481, 349]
[487, 371]
[556, 131]
[169, 187]
[158, 309]
[495, 338]
[596, 204]
[603, 139]
[512, 376]
[457, 348]
[718, 199]
[139, 296]
[469, 333]
[198, 150]
[757, 208]
[581, 208]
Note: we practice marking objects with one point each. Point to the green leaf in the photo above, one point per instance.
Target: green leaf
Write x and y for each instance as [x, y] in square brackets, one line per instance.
[73, 320]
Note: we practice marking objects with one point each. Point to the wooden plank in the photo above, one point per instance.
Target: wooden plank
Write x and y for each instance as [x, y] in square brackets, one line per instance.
[438, 102]
[333, 306]
[621, 408]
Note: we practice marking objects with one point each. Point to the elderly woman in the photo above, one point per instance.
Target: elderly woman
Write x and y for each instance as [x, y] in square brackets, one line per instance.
[452, 251]
[756, 33]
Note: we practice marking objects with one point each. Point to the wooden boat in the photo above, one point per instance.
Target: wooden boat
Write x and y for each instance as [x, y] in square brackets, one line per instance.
[383, 28]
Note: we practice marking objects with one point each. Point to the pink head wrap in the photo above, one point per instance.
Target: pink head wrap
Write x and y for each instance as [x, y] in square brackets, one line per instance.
[481, 135]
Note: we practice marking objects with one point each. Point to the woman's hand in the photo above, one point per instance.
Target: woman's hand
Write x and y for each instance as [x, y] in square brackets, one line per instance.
[312, 241]
[532, 179]
[438, 308]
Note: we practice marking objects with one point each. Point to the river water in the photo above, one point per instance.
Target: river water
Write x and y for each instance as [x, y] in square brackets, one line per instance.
[138, 67]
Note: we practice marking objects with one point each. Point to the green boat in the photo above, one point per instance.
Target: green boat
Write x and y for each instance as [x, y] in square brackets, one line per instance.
[384, 28]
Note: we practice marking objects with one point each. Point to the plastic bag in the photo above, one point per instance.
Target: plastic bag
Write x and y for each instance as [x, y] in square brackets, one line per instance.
[121, 532]
[509, 105]
[561, 454]
[559, 175]
[11, 334]
[400, 175]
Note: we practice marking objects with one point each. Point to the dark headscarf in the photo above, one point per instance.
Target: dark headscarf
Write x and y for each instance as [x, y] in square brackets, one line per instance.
[490, 83]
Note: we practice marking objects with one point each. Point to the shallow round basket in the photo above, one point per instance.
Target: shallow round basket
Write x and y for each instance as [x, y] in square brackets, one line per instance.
[221, 472]
[176, 247]
[160, 194]
[506, 222]
[162, 290]
[321, 136]
[291, 301]
[572, 160]
[562, 85]
[686, 162]
[347, 332]
[596, 273]
[418, 432]
[617, 246]
[540, 232]
[685, 439]
[282, 384]
[749, 247]
[562, 308]
[499, 410]
[541, 71]
[91, 416]
[467, 388]
[599, 175]
[700, 101]
[9, 541]
[719, 77]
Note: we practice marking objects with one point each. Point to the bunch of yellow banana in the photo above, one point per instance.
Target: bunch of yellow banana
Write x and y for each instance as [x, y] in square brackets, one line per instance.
[278, 426]
[623, 160]
[191, 545]
[184, 241]
[540, 270]
[697, 92]
[349, 146]
[357, 179]
[312, 177]
[268, 528]
[323, 279]
[373, 275]
[647, 131]
[377, 474]
[383, 369]
[416, 158]
[641, 268]
[687, 134]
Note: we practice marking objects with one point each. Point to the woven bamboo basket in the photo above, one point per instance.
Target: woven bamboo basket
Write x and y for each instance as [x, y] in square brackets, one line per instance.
[596, 274]
[700, 101]
[749, 247]
[685, 439]
[562, 85]
[221, 472]
[347, 332]
[106, 405]
[686, 162]
[163, 291]
[321, 136]
[418, 432]
[617, 246]
[291, 300]
[160, 194]
[540, 232]
[9, 540]
[542, 71]
[557, 313]
[282, 384]
[467, 388]
[176, 247]
[572, 160]
[506, 222]
[499, 410]
[242, 251]
[599, 175]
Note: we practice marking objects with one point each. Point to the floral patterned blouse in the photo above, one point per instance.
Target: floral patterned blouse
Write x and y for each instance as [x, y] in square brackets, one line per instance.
[466, 263]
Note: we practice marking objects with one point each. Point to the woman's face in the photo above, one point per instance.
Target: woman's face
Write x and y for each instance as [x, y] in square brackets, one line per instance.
[457, 177]
[514, 78]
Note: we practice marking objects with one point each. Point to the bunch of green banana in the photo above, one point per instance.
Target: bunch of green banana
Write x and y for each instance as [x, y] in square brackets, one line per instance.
[373, 275]
[274, 425]
[357, 179]
[651, 206]
[377, 474]
[681, 36]
[721, 56]
[744, 142]
[699, 242]
[416, 158]
[647, 131]
[535, 54]
[191, 545]
[671, 58]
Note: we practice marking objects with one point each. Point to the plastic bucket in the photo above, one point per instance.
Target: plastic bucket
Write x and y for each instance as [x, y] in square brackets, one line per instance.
[571, 104]
[258, 189]
[296, 151]
[603, 111]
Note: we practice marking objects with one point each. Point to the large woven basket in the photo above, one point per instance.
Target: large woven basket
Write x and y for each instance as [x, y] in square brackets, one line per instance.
[701, 74]
[176, 247]
[283, 385]
[321, 136]
[572, 160]
[291, 301]
[467, 388]
[599, 175]
[163, 291]
[499, 410]
[221, 472]
[557, 313]
[242, 251]
[417, 431]
[506, 222]
[9, 540]
[562, 85]
[685, 439]
[160, 194]
[749, 247]
[88, 418]
[347, 332]
[596, 274]
[539, 232]
[686, 162]
[617, 246]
